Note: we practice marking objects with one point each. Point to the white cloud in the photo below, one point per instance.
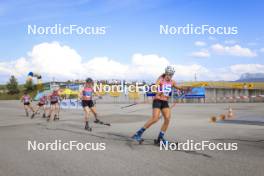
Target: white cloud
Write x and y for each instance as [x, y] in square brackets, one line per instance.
[220, 74]
[55, 59]
[4, 69]
[199, 43]
[235, 50]
[233, 72]
[230, 42]
[104, 68]
[188, 71]
[201, 54]
[261, 50]
[148, 65]
[63, 63]
[247, 68]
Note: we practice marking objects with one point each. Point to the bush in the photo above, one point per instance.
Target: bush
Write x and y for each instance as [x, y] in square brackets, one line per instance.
[12, 86]
[29, 86]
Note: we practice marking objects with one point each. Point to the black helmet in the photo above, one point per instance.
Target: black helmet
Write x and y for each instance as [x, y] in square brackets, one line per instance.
[89, 80]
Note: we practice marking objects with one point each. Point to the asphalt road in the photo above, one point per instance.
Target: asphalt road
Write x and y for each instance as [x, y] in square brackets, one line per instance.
[124, 157]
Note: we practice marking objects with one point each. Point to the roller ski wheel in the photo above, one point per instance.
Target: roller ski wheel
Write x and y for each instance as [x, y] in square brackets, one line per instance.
[56, 118]
[138, 139]
[157, 141]
[87, 128]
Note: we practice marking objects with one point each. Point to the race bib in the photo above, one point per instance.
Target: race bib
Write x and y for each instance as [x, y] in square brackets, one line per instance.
[167, 89]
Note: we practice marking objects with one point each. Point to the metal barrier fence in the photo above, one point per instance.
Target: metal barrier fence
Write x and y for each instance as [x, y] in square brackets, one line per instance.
[212, 95]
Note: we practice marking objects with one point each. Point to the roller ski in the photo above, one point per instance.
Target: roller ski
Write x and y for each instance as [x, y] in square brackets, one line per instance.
[32, 116]
[138, 138]
[101, 122]
[163, 141]
[87, 127]
[56, 117]
[159, 140]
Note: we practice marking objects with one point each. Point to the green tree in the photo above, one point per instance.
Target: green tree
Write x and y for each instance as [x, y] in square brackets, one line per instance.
[29, 86]
[12, 86]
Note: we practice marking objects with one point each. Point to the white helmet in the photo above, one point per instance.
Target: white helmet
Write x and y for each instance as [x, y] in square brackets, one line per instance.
[169, 70]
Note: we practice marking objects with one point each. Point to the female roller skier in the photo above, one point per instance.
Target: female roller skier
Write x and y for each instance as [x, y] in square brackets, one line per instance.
[88, 104]
[41, 105]
[160, 105]
[26, 99]
[54, 99]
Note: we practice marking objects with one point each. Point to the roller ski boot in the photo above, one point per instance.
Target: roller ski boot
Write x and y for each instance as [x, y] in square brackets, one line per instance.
[56, 117]
[32, 116]
[87, 127]
[138, 138]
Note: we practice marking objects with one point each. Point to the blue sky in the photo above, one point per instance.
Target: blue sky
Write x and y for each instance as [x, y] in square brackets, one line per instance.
[133, 27]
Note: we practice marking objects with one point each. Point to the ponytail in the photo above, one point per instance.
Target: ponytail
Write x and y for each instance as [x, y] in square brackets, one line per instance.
[163, 75]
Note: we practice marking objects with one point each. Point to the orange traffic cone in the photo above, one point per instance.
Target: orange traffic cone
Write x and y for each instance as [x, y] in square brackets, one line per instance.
[222, 117]
[213, 119]
[230, 113]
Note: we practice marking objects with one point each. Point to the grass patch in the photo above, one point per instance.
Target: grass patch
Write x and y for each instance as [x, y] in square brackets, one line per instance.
[6, 96]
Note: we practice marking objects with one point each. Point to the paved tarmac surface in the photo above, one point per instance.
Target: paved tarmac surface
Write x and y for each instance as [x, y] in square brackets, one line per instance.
[124, 157]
